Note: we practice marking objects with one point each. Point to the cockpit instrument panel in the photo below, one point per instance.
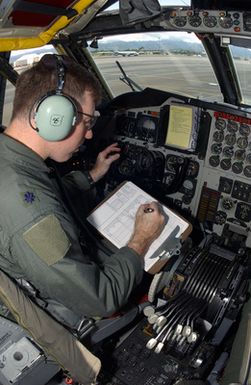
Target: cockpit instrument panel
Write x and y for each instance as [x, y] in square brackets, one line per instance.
[211, 181]
[218, 21]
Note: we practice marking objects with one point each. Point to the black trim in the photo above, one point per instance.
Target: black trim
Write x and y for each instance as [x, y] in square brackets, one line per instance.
[26, 6]
[220, 65]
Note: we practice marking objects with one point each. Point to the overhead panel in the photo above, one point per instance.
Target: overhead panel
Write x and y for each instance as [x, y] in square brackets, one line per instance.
[33, 23]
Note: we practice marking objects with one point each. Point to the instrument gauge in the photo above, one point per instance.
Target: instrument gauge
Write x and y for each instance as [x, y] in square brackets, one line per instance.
[227, 203]
[218, 136]
[243, 212]
[242, 142]
[180, 21]
[220, 124]
[210, 21]
[230, 139]
[247, 171]
[240, 154]
[126, 168]
[171, 163]
[193, 168]
[214, 160]
[216, 148]
[244, 129]
[220, 218]
[188, 186]
[144, 161]
[232, 126]
[237, 167]
[146, 128]
[226, 22]
[228, 152]
[225, 164]
[195, 20]
[169, 179]
[248, 158]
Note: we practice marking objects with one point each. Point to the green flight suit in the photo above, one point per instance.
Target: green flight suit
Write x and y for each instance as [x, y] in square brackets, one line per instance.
[40, 242]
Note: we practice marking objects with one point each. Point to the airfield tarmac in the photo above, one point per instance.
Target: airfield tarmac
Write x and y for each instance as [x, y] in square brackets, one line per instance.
[186, 75]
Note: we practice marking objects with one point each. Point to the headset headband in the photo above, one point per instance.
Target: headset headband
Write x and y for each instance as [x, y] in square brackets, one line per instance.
[60, 74]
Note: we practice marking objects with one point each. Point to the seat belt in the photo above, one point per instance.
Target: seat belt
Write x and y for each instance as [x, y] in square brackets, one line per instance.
[50, 335]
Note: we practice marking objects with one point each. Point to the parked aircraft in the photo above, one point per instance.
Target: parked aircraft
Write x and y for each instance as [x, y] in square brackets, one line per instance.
[126, 53]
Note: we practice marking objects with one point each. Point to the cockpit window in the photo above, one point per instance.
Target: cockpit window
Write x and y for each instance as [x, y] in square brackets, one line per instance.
[171, 61]
[169, 3]
[20, 61]
[242, 61]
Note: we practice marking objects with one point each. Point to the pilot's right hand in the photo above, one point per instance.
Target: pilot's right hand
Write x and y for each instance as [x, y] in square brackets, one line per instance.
[149, 223]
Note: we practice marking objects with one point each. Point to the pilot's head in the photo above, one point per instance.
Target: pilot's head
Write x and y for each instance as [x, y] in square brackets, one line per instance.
[57, 98]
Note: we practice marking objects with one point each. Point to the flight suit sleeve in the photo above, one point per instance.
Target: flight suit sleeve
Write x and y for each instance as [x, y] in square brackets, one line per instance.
[80, 192]
[48, 251]
[77, 179]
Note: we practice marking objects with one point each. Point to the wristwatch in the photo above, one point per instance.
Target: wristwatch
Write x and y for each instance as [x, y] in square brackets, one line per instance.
[89, 178]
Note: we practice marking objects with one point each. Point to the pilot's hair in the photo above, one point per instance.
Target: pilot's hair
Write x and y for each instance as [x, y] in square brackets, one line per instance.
[41, 78]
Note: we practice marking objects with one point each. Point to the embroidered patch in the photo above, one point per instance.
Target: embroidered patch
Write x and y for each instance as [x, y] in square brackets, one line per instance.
[48, 239]
[29, 197]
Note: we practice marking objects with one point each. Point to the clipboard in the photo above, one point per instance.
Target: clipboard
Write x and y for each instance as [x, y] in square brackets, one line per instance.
[114, 219]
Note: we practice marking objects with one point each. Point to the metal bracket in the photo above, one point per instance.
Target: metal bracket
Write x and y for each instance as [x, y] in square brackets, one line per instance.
[171, 246]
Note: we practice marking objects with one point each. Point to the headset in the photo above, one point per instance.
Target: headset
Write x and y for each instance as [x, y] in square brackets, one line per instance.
[55, 112]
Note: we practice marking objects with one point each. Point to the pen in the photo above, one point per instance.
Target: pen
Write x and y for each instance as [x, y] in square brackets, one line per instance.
[148, 210]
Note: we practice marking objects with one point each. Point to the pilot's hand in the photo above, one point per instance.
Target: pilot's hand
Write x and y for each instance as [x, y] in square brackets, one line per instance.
[149, 223]
[104, 160]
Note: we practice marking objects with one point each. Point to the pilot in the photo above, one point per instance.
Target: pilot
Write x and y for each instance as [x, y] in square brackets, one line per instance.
[53, 114]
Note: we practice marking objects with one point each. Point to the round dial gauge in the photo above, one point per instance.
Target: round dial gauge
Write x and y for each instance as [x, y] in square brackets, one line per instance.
[240, 154]
[188, 186]
[232, 126]
[193, 168]
[126, 167]
[146, 128]
[226, 22]
[210, 21]
[214, 160]
[242, 142]
[247, 171]
[244, 129]
[227, 203]
[218, 136]
[186, 199]
[168, 179]
[230, 139]
[220, 217]
[195, 21]
[172, 162]
[228, 151]
[220, 124]
[237, 167]
[216, 148]
[225, 164]
[180, 21]
[248, 158]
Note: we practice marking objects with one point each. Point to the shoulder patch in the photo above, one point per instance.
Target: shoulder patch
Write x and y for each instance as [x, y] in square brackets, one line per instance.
[48, 239]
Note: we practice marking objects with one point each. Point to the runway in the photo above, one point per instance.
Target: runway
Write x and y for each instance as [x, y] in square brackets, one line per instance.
[186, 75]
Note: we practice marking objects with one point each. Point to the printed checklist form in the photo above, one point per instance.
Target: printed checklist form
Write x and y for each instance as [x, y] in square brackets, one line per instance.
[114, 218]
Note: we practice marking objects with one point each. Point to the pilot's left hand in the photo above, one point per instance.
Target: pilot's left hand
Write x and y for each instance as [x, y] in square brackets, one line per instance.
[104, 160]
